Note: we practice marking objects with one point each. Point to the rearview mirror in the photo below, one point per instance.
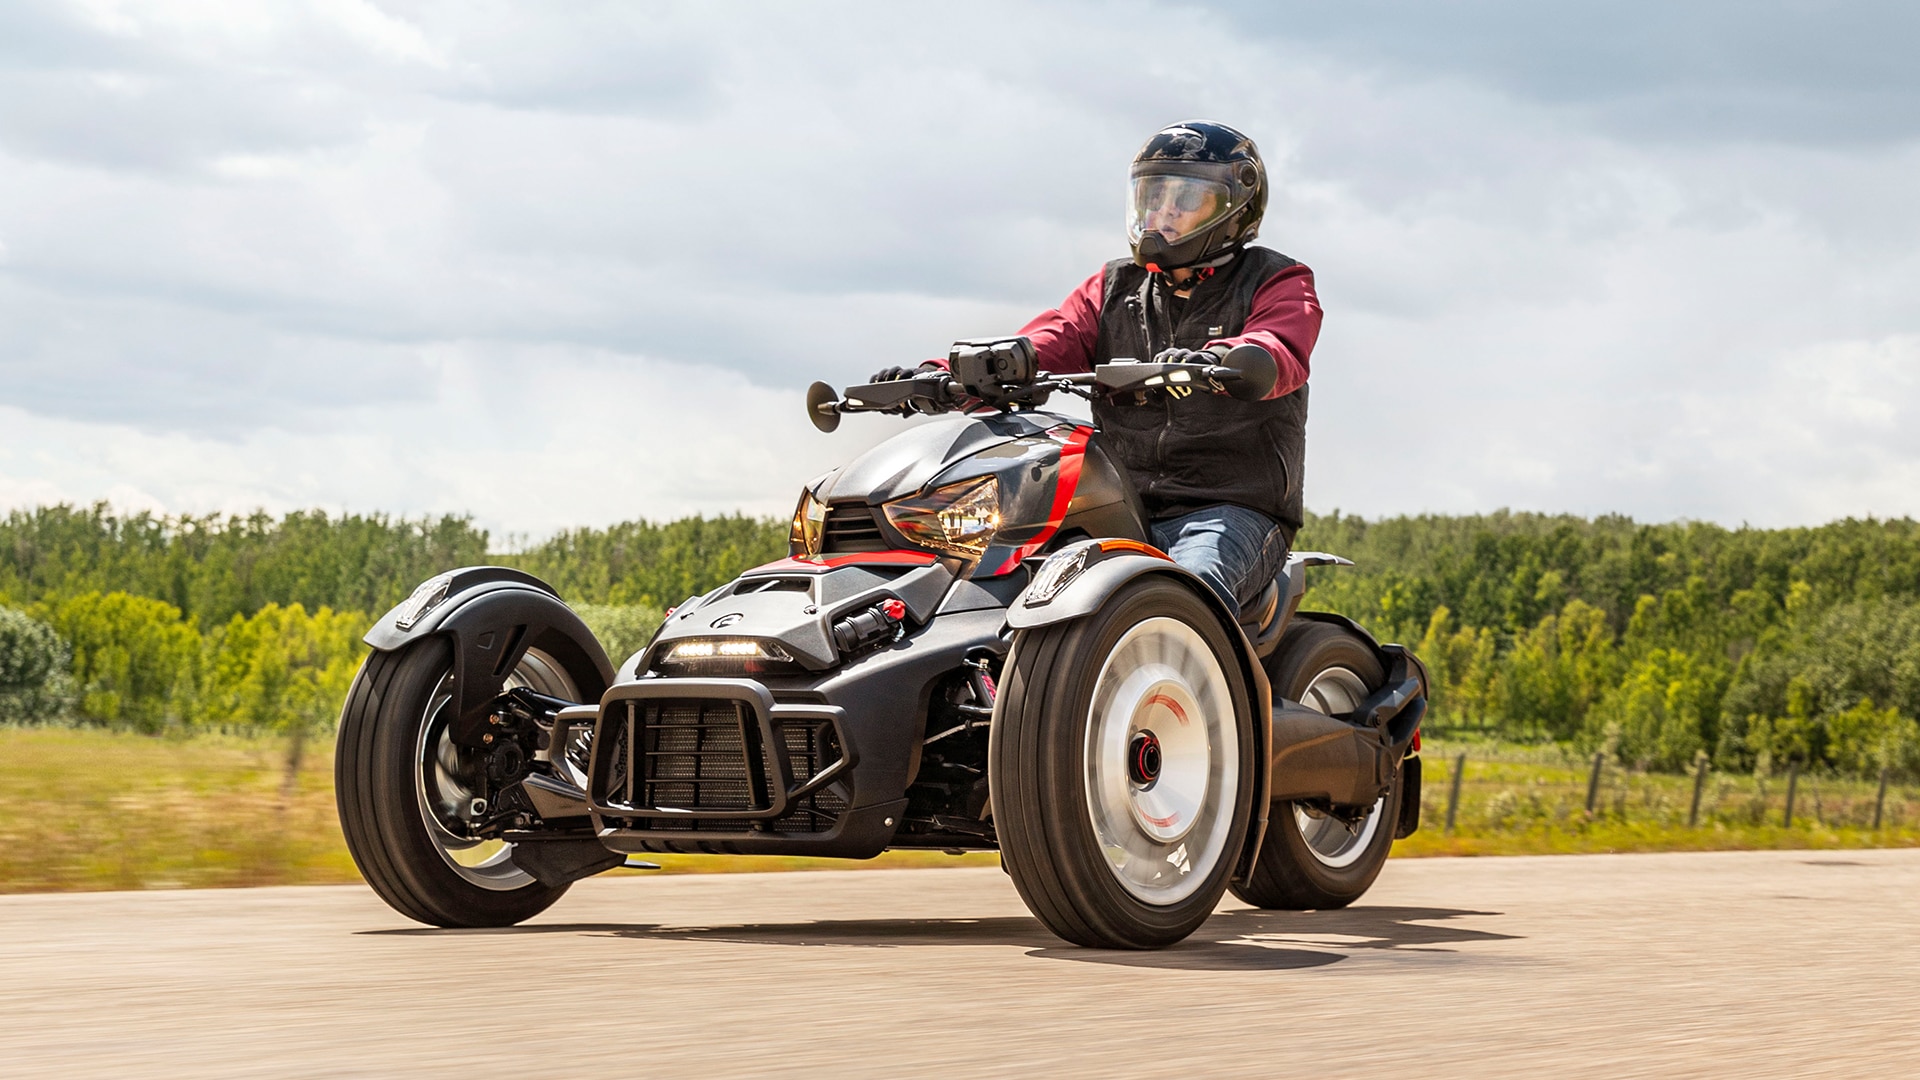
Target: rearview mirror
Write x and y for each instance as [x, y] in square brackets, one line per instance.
[823, 406]
[1257, 371]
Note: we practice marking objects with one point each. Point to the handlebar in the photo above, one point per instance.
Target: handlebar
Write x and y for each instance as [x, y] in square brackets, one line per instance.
[1246, 375]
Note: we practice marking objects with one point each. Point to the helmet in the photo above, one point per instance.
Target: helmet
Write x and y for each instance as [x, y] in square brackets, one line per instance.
[1198, 192]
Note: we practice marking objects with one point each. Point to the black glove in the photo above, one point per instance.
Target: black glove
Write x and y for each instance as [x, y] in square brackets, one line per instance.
[1208, 356]
[895, 374]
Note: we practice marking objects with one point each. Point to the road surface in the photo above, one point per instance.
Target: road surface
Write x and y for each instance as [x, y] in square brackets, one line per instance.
[1751, 964]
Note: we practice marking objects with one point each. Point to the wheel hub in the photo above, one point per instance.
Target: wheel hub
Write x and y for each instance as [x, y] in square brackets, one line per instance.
[1162, 760]
[1143, 759]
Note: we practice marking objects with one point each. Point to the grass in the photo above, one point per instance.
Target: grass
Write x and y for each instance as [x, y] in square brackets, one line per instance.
[86, 810]
[90, 810]
[1532, 800]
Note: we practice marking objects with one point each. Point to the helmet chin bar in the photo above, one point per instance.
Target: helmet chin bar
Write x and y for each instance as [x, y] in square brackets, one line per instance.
[1153, 252]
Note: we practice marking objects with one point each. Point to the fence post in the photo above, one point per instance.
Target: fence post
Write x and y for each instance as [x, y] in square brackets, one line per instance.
[1880, 800]
[1699, 785]
[1593, 782]
[1453, 794]
[1793, 781]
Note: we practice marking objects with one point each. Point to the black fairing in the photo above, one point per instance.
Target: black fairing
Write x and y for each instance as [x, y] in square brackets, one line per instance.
[1031, 454]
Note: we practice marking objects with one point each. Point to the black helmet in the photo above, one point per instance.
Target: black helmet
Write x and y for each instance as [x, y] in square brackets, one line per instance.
[1198, 192]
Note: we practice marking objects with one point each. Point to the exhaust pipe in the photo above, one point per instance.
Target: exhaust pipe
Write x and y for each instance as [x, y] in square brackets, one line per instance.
[1347, 760]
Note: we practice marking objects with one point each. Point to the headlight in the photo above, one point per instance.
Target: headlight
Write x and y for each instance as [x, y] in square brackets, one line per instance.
[726, 649]
[959, 519]
[725, 656]
[809, 524]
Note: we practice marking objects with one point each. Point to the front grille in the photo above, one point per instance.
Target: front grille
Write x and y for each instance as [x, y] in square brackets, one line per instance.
[704, 756]
[810, 748]
[852, 527]
[700, 755]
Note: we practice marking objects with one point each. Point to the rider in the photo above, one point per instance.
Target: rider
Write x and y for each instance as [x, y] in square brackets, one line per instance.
[1220, 477]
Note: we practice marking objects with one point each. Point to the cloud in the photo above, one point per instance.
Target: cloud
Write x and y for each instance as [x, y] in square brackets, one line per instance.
[561, 267]
[1640, 70]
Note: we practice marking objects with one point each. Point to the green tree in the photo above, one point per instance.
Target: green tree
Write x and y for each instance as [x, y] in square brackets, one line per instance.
[1865, 739]
[1460, 666]
[1553, 674]
[622, 629]
[34, 684]
[282, 670]
[1659, 715]
[653, 565]
[133, 657]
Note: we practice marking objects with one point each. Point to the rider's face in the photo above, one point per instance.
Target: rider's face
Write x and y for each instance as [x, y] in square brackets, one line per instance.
[1175, 206]
[1178, 214]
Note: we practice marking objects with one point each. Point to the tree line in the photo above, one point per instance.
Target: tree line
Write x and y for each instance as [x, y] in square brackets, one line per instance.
[251, 622]
[1759, 648]
[1655, 643]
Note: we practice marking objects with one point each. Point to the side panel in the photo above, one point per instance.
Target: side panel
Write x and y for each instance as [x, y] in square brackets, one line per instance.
[1105, 503]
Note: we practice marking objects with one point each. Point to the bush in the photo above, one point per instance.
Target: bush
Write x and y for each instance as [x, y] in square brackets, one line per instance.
[1460, 669]
[281, 669]
[1555, 672]
[34, 684]
[1864, 739]
[133, 657]
[622, 629]
[1659, 715]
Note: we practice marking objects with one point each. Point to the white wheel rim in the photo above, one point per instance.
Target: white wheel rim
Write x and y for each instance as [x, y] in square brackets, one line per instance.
[1334, 843]
[1162, 838]
[444, 796]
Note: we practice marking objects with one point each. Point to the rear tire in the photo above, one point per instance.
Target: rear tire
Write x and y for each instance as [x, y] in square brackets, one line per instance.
[1110, 845]
[397, 784]
[1312, 860]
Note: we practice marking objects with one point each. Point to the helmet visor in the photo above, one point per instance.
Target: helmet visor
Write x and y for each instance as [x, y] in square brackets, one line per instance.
[1176, 207]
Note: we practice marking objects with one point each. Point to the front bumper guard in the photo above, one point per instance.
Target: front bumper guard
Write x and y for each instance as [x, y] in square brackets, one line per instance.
[767, 767]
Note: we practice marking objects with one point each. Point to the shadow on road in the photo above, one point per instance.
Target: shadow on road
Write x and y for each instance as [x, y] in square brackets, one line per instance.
[1237, 940]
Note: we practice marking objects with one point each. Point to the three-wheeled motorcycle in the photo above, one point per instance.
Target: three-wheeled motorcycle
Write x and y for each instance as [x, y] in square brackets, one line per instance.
[972, 646]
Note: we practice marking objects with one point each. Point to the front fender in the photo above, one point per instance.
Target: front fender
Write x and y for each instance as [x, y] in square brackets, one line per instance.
[492, 615]
[1107, 565]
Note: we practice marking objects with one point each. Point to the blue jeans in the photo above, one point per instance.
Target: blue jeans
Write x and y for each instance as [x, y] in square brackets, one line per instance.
[1236, 551]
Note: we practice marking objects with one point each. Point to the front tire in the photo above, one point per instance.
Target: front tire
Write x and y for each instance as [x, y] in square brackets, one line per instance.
[1120, 763]
[398, 780]
[1311, 859]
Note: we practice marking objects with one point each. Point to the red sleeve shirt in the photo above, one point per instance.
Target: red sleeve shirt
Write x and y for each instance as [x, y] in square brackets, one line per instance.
[1064, 337]
[1284, 320]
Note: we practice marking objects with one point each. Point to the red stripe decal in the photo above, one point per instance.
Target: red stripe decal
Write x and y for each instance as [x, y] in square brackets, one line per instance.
[1072, 453]
[814, 564]
[1179, 713]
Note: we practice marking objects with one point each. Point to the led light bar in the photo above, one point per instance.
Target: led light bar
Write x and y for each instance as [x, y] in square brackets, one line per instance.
[694, 650]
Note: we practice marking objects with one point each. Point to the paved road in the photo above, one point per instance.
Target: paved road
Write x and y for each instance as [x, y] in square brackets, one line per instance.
[1756, 964]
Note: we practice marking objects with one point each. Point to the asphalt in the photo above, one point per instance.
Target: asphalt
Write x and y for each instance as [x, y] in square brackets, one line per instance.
[1750, 964]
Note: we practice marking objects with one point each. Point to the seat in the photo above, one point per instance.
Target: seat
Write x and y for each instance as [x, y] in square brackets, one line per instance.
[1256, 616]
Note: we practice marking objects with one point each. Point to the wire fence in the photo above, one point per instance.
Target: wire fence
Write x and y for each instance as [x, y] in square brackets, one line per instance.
[1483, 789]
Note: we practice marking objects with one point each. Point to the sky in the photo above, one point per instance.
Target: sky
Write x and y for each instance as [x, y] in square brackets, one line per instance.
[555, 265]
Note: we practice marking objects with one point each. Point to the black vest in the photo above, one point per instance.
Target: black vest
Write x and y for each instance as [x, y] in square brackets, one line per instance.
[1204, 449]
